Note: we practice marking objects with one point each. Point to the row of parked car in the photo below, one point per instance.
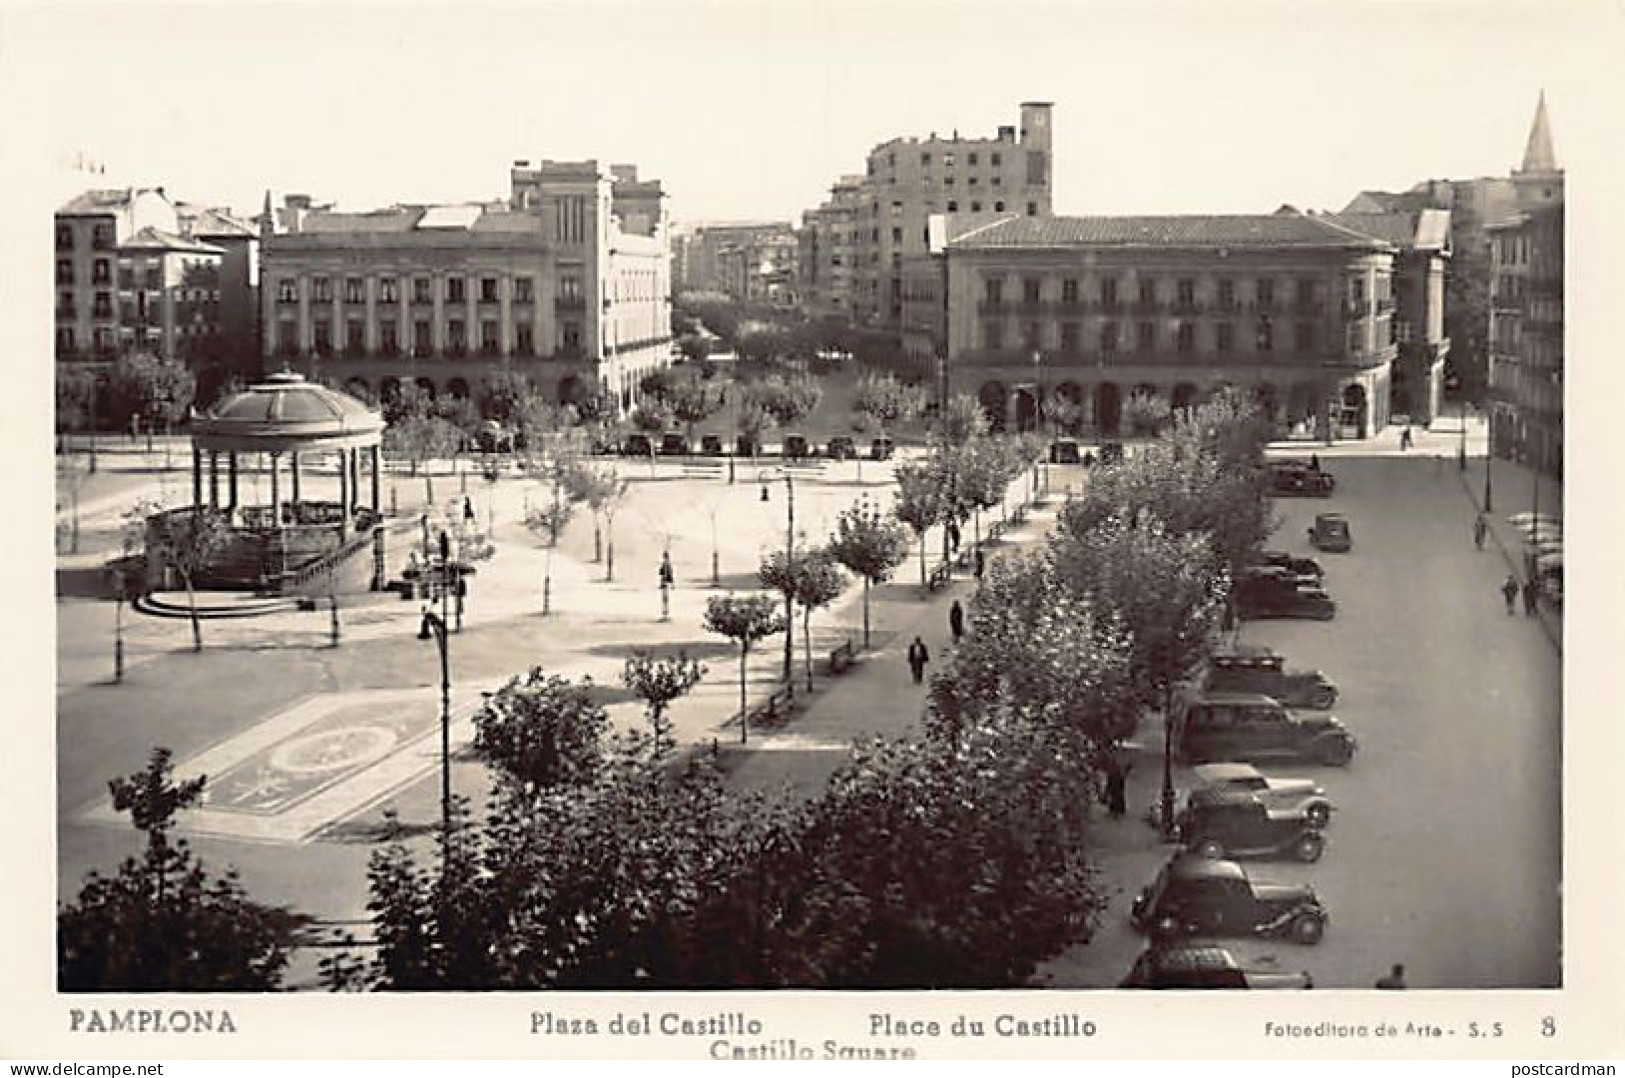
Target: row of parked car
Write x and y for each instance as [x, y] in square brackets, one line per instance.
[1542, 535]
[793, 447]
[1247, 713]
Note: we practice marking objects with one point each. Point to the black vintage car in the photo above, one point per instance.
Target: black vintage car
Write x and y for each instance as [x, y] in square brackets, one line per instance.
[882, 449]
[673, 445]
[1271, 592]
[1260, 670]
[795, 447]
[1330, 532]
[1223, 823]
[637, 445]
[1291, 479]
[1065, 451]
[1204, 965]
[711, 445]
[746, 446]
[1252, 727]
[840, 448]
[1280, 559]
[1201, 896]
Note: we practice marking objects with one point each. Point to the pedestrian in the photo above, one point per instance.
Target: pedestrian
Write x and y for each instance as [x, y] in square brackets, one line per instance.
[1314, 462]
[667, 577]
[1531, 597]
[1509, 591]
[953, 537]
[1480, 530]
[1116, 788]
[917, 658]
[468, 509]
[1405, 438]
[956, 621]
[1395, 978]
[978, 565]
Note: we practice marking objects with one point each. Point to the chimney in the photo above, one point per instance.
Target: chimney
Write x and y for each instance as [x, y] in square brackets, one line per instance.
[1007, 133]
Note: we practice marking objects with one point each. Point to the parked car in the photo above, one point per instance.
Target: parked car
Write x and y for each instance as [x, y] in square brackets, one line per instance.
[711, 445]
[1260, 670]
[1233, 823]
[493, 437]
[746, 446]
[637, 445]
[1111, 453]
[882, 449]
[1201, 896]
[1310, 465]
[1253, 727]
[1292, 563]
[1330, 531]
[1278, 791]
[1292, 479]
[1262, 593]
[841, 448]
[1204, 965]
[1065, 451]
[673, 444]
[795, 447]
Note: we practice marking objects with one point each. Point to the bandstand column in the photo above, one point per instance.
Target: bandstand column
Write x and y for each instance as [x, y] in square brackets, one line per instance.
[214, 479]
[377, 506]
[346, 494]
[352, 456]
[295, 460]
[276, 491]
[231, 480]
[197, 476]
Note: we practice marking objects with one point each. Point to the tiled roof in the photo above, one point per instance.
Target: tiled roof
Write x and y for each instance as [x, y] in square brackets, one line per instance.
[393, 219]
[100, 201]
[1252, 230]
[152, 239]
[210, 221]
[470, 217]
[1424, 228]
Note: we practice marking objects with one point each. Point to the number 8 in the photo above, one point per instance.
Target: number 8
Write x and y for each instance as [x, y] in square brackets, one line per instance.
[1548, 1026]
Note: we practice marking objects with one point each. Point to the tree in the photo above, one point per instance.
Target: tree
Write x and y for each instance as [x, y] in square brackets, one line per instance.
[161, 924]
[158, 390]
[75, 390]
[962, 421]
[753, 422]
[787, 400]
[869, 544]
[555, 459]
[744, 619]
[813, 580]
[1146, 413]
[982, 470]
[541, 731]
[922, 500]
[658, 682]
[887, 400]
[417, 428]
[501, 395]
[693, 400]
[185, 540]
[1064, 413]
[694, 347]
[600, 487]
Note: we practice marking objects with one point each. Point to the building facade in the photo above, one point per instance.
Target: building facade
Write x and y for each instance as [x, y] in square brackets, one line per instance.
[90, 231]
[1075, 314]
[747, 260]
[1526, 312]
[568, 282]
[828, 245]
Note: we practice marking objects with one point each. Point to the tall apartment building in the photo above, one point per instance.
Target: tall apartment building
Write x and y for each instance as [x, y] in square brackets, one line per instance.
[1297, 310]
[743, 259]
[828, 244]
[568, 282]
[1526, 311]
[907, 180]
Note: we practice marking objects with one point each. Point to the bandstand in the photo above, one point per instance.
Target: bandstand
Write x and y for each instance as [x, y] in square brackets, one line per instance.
[305, 436]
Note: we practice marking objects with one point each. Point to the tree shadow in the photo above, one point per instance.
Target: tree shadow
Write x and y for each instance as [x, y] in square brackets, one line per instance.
[703, 650]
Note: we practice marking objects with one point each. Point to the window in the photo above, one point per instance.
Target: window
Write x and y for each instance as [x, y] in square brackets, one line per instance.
[388, 344]
[1306, 337]
[321, 289]
[421, 291]
[64, 339]
[455, 290]
[1108, 338]
[971, 159]
[1032, 209]
[1266, 335]
[1037, 168]
[64, 303]
[925, 159]
[355, 290]
[897, 235]
[422, 340]
[897, 209]
[1148, 292]
[570, 287]
[287, 336]
[526, 334]
[1185, 341]
[974, 180]
[1145, 337]
[995, 159]
[488, 290]
[104, 339]
[1306, 292]
[64, 237]
[1030, 289]
[104, 305]
[976, 207]
[524, 289]
[1185, 293]
[355, 337]
[287, 290]
[1227, 337]
[570, 335]
[1227, 294]
[998, 207]
[64, 271]
[456, 337]
[389, 290]
[992, 335]
[1108, 294]
[994, 291]
[489, 343]
[953, 207]
[997, 181]
[101, 237]
[948, 160]
[1070, 337]
[1266, 293]
[322, 336]
[1069, 290]
[101, 272]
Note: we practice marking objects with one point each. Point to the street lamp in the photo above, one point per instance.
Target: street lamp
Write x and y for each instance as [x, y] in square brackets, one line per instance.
[1489, 458]
[789, 561]
[1461, 447]
[1038, 413]
[433, 626]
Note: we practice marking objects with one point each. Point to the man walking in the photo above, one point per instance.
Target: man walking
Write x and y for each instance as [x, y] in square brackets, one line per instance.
[956, 621]
[1480, 530]
[917, 658]
[1531, 598]
[1509, 591]
[978, 565]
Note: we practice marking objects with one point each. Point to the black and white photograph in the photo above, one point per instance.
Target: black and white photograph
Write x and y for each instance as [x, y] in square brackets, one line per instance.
[604, 514]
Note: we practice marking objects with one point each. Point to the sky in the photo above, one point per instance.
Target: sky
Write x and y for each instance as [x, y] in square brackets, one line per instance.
[753, 110]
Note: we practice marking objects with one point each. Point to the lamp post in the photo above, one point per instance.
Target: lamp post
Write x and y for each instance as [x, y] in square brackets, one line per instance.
[789, 562]
[433, 626]
[1461, 447]
[1489, 459]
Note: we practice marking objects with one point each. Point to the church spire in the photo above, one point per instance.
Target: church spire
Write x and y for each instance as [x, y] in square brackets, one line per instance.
[1538, 155]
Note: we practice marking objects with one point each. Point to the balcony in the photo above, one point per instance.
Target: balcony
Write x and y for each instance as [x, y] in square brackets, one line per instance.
[569, 303]
[995, 307]
[1185, 306]
[1357, 308]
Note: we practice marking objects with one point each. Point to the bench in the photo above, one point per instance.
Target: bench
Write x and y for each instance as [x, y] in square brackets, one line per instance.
[769, 710]
[995, 530]
[840, 658]
[1019, 515]
[940, 575]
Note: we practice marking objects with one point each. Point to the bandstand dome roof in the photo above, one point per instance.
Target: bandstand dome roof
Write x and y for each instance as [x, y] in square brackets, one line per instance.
[286, 413]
